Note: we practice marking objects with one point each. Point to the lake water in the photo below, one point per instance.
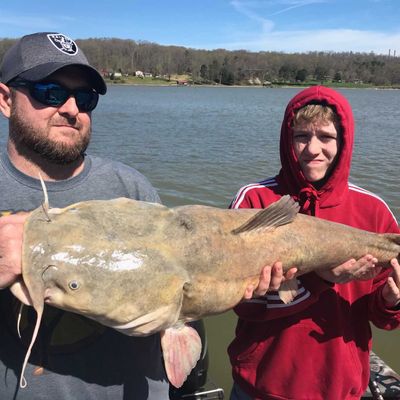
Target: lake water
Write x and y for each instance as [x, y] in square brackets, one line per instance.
[199, 145]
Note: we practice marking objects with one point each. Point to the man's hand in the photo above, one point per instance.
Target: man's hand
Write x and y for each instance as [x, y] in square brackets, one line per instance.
[271, 278]
[363, 269]
[391, 290]
[11, 232]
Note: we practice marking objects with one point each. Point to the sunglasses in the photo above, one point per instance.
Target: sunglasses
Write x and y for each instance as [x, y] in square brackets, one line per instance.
[55, 95]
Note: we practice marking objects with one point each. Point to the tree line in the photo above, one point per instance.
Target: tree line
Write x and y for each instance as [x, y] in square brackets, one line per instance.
[236, 67]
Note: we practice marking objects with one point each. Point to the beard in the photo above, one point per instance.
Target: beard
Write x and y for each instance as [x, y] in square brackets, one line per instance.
[27, 138]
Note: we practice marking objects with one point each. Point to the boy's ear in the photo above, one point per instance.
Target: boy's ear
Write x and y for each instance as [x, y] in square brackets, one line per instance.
[5, 100]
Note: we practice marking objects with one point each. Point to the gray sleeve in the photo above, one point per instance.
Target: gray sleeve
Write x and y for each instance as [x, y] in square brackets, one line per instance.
[137, 184]
[122, 181]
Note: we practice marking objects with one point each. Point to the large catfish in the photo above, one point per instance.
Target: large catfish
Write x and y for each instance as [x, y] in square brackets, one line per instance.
[143, 268]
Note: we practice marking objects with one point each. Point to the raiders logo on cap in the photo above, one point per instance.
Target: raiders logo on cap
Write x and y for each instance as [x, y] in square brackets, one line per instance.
[63, 43]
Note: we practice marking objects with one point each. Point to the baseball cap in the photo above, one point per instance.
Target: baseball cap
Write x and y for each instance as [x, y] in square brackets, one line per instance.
[34, 57]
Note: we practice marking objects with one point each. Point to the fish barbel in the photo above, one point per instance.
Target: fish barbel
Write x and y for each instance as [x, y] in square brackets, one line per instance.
[143, 268]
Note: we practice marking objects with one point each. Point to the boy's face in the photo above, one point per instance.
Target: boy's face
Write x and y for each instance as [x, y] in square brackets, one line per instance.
[316, 145]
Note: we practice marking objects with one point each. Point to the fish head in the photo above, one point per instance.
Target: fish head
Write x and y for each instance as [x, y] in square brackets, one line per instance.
[100, 260]
[52, 267]
[71, 280]
[66, 287]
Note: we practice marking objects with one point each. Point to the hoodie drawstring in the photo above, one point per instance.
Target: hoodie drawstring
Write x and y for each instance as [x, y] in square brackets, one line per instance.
[308, 200]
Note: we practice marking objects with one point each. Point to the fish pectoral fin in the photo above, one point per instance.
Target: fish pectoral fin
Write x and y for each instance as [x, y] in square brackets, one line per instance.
[181, 347]
[281, 212]
[288, 290]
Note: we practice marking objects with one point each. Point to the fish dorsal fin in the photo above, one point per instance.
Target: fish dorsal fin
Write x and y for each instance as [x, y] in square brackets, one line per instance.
[281, 212]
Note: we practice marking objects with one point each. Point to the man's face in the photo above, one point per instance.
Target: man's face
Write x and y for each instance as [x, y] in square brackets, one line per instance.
[316, 146]
[58, 134]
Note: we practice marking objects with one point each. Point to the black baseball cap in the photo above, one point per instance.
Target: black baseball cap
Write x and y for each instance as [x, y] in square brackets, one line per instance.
[34, 57]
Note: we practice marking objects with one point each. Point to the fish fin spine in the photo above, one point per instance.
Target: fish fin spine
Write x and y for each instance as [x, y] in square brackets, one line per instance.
[280, 213]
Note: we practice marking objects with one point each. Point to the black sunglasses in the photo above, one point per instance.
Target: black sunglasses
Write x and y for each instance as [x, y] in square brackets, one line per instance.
[54, 95]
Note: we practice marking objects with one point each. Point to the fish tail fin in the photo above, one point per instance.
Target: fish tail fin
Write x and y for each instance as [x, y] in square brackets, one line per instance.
[181, 347]
[22, 381]
[288, 290]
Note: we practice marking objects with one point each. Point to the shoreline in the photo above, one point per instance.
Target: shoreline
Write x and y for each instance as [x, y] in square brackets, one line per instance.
[111, 83]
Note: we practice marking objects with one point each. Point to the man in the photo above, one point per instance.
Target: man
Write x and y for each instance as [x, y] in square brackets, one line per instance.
[316, 347]
[48, 91]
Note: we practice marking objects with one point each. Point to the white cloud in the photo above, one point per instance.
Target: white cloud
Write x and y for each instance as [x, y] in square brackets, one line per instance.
[337, 40]
[243, 8]
[25, 22]
[33, 23]
[265, 35]
[291, 4]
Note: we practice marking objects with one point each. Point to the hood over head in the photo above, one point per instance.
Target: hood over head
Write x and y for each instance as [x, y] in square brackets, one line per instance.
[291, 175]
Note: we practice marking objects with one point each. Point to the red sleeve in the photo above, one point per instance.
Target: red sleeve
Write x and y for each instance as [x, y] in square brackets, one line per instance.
[254, 196]
[381, 316]
[270, 307]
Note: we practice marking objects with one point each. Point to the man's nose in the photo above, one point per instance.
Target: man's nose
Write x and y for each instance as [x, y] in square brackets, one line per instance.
[69, 107]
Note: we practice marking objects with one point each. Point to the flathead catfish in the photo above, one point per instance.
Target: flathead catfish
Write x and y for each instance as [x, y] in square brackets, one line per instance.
[143, 268]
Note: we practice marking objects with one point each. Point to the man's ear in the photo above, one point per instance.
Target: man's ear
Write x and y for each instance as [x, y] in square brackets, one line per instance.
[5, 100]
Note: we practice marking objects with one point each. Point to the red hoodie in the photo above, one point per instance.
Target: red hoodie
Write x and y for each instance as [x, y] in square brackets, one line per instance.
[316, 347]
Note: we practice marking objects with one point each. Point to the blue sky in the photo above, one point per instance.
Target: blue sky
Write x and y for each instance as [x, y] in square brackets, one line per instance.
[254, 25]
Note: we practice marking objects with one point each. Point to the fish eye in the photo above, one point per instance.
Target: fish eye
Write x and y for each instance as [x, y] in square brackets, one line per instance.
[73, 285]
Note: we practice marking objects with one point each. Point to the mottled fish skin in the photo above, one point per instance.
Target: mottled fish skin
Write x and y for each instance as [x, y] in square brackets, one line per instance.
[142, 268]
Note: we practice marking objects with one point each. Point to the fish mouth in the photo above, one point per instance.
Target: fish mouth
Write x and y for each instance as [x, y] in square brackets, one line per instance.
[47, 296]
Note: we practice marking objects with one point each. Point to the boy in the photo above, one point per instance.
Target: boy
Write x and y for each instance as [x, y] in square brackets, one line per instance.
[317, 346]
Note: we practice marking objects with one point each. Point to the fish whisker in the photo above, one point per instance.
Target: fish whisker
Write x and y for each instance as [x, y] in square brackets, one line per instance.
[45, 204]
